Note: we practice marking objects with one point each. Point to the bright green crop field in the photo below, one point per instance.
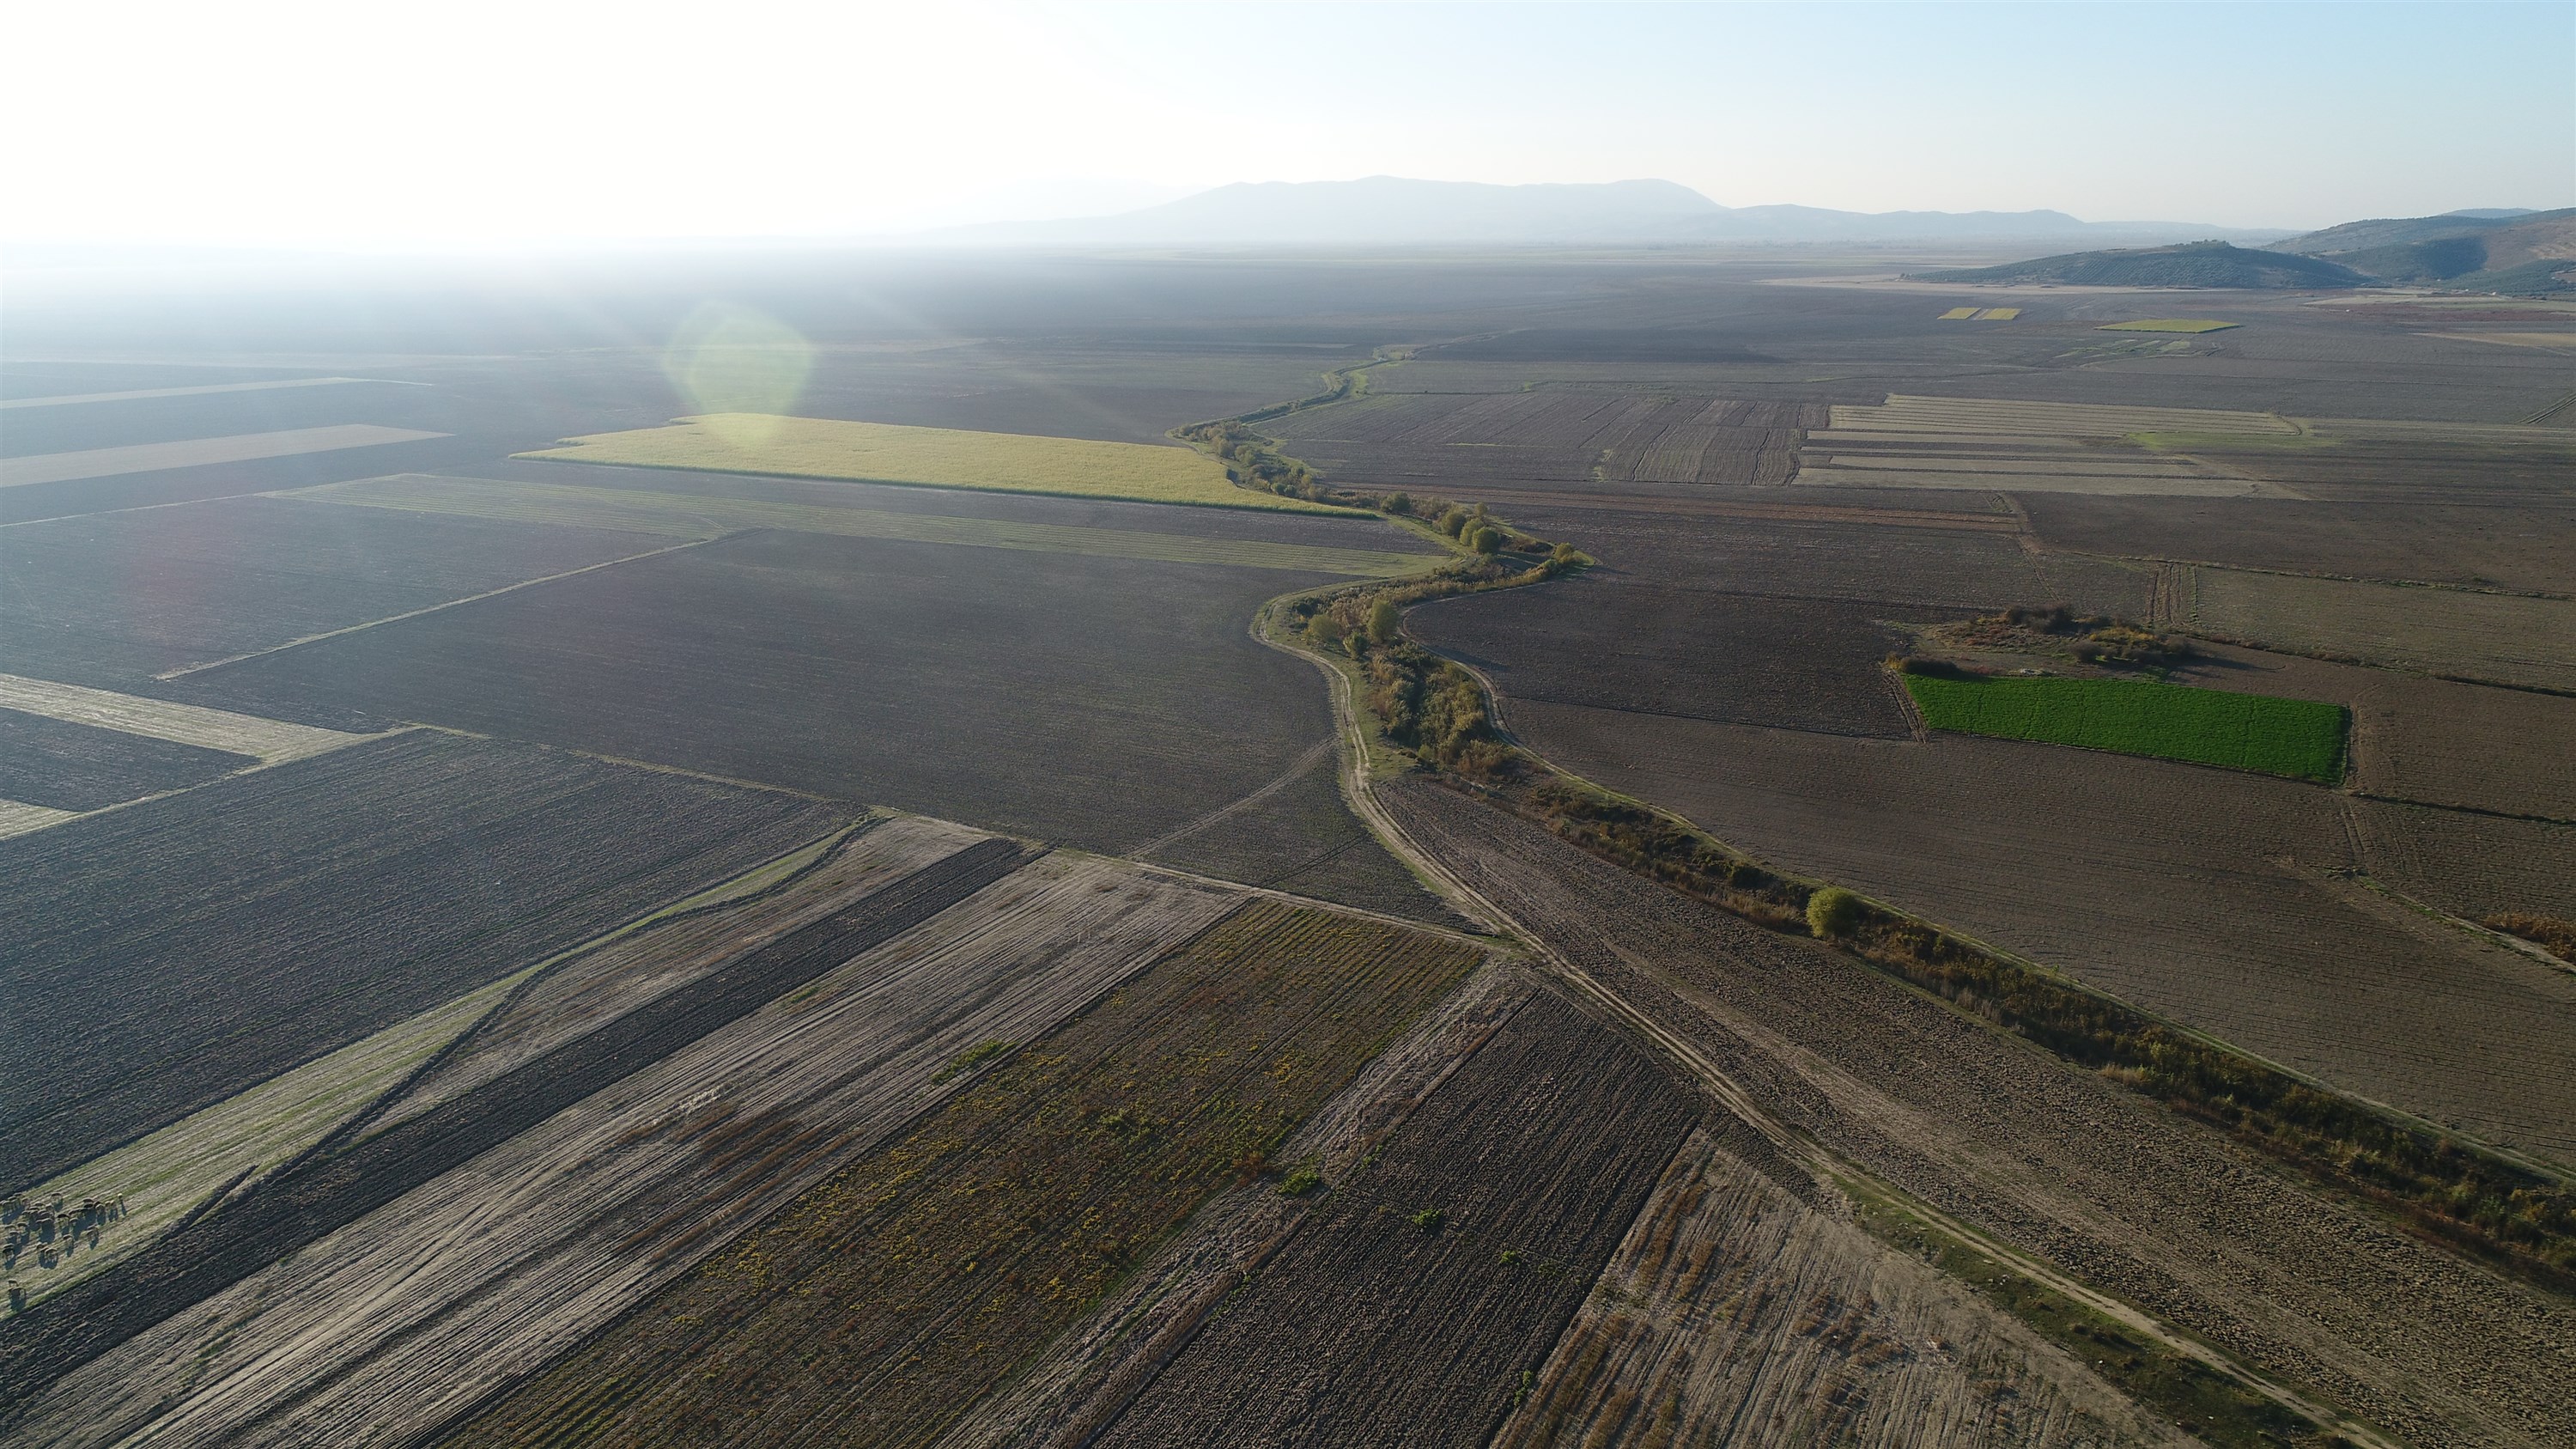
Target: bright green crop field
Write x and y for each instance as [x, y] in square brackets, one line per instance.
[2300, 738]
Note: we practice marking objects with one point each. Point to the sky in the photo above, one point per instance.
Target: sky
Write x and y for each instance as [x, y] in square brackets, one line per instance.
[464, 123]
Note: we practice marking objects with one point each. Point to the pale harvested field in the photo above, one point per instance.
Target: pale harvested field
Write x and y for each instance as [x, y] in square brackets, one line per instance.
[2160, 1210]
[930, 457]
[135, 394]
[392, 1325]
[198, 452]
[2507, 638]
[1736, 1314]
[266, 740]
[1902, 413]
[2204, 895]
[691, 516]
[17, 817]
[2436, 741]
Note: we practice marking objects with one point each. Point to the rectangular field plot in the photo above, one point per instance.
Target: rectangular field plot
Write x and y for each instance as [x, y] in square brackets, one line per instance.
[199, 452]
[1096, 701]
[1614, 643]
[64, 766]
[693, 516]
[168, 956]
[877, 1307]
[933, 457]
[2300, 738]
[111, 600]
[1995, 417]
[2417, 540]
[1413, 1295]
[2506, 638]
[267, 741]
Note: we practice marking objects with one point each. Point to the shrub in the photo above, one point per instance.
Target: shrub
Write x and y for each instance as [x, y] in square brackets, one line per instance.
[1385, 621]
[1455, 520]
[1832, 912]
[1300, 1182]
[1486, 541]
[2547, 932]
[1397, 503]
[1324, 631]
[1429, 1219]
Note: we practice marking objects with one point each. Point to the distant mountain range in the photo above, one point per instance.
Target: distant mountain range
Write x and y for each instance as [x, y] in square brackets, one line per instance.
[1391, 211]
[2517, 252]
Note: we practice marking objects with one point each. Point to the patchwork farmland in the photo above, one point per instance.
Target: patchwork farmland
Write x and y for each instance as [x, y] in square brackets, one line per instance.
[857, 917]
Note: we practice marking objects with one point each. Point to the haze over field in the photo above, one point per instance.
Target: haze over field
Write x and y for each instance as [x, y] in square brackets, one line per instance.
[291, 122]
[1032, 726]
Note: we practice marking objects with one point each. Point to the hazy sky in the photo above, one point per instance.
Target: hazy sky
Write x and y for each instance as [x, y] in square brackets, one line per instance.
[431, 123]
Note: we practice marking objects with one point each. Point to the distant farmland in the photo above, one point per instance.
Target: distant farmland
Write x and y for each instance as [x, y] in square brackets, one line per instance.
[2300, 738]
[2168, 324]
[927, 457]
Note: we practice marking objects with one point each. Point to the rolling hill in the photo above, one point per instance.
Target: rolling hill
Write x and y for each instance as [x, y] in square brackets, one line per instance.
[2520, 252]
[2192, 264]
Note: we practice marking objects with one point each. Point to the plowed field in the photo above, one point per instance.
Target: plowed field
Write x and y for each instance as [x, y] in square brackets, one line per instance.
[877, 1307]
[186, 949]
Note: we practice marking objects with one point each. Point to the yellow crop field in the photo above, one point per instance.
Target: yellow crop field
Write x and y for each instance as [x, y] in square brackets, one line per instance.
[924, 457]
[1999, 314]
[1957, 314]
[2169, 324]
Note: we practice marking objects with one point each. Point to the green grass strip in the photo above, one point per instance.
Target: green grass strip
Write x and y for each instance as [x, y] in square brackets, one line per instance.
[681, 515]
[2298, 738]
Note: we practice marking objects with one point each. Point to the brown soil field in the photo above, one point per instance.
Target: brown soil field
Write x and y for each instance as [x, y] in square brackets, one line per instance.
[1736, 1313]
[192, 946]
[878, 1306]
[113, 599]
[413, 1314]
[1377, 1325]
[2529, 547]
[66, 766]
[1098, 702]
[1610, 640]
[2472, 866]
[2159, 1210]
[2434, 741]
[2207, 896]
[1566, 434]
[2504, 638]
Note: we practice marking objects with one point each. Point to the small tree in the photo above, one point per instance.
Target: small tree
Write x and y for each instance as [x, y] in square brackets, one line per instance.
[1324, 631]
[1832, 912]
[1487, 541]
[1385, 621]
[1454, 522]
[1397, 503]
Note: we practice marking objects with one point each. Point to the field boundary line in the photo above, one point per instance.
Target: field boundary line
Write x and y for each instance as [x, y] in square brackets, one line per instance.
[1312, 903]
[129, 459]
[139, 394]
[182, 673]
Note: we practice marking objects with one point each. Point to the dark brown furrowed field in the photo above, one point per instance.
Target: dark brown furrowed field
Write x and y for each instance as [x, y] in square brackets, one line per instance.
[1097, 701]
[1410, 1302]
[191, 947]
[65, 766]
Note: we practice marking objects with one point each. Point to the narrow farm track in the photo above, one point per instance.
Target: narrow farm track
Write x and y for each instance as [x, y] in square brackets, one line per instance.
[323, 1194]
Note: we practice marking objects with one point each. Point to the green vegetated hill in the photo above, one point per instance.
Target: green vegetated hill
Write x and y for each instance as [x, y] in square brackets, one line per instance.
[2193, 264]
[2522, 255]
[2300, 738]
